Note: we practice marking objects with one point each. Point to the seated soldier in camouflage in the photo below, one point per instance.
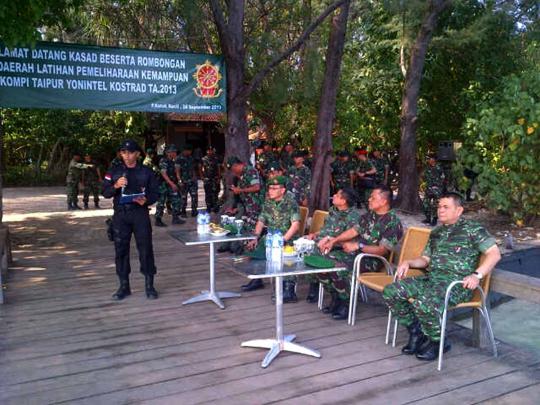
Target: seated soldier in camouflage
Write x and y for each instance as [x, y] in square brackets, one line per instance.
[377, 232]
[452, 254]
[280, 212]
[342, 215]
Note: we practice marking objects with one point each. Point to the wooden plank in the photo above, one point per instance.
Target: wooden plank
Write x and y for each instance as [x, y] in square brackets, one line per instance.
[64, 340]
[524, 396]
[516, 285]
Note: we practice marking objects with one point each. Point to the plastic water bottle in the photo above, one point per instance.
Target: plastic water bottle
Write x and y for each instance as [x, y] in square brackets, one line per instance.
[200, 223]
[277, 247]
[268, 244]
[206, 222]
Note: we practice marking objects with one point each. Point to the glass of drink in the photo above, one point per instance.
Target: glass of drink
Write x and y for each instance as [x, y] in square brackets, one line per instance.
[239, 223]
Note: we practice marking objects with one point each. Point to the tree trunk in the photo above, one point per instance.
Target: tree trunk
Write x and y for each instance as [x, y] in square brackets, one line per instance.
[408, 198]
[322, 148]
[231, 38]
[50, 164]
[1, 170]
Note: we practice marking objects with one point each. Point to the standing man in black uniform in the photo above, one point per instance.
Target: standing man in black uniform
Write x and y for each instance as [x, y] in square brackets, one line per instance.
[132, 217]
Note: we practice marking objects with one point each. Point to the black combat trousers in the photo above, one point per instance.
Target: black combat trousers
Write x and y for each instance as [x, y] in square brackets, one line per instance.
[133, 219]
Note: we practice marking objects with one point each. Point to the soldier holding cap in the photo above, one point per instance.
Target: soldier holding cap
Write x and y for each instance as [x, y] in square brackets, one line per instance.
[299, 178]
[131, 216]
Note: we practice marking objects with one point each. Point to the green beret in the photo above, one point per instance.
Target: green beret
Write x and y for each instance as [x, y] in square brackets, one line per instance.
[232, 160]
[277, 181]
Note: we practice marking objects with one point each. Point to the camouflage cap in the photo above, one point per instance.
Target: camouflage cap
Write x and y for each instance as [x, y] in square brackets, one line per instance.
[343, 153]
[298, 153]
[171, 148]
[150, 150]
[130, 145]
[232, 160]
[277, 181]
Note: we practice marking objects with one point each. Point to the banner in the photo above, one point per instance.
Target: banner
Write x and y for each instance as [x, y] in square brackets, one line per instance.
[56, 75]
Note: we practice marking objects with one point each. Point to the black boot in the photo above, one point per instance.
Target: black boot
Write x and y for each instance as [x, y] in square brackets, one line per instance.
[313, 294]
[70, 207]
[149, 289]
[331, 308]
[123, 291]
[416, 339]
[253, 285]
[76, 206]
[85, 205]
[96, 206]
[342, 310]
[289, 293]
[430, 351]
[183, 214]
[194, 212]
[434, 221]
[177, 221]
[159, 222]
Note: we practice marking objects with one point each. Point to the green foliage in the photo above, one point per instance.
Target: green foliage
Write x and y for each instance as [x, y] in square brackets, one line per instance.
[42, 141]
[503, 146]
[20, 20]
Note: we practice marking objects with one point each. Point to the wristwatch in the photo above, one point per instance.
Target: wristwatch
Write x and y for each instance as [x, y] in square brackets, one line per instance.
[478, 275]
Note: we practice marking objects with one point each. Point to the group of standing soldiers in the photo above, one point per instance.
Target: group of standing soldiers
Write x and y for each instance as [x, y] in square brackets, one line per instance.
[87, 173]
[178, 175]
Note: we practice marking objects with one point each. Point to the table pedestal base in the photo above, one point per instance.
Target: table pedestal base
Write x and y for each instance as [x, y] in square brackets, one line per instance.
[276, 346]
[212, 296]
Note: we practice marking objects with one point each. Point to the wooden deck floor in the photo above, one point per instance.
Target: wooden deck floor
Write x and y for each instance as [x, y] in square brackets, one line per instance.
[63, 340]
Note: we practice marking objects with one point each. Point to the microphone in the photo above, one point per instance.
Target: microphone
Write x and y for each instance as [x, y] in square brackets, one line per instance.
[124, 174]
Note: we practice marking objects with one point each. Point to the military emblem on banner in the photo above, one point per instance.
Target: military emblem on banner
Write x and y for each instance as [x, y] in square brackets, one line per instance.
[208, 77]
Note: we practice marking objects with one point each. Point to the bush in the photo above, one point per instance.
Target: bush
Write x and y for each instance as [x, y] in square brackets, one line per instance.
[503, 146]
[26, 176]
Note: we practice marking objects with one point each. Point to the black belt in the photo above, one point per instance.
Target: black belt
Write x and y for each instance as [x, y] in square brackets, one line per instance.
[129, 207]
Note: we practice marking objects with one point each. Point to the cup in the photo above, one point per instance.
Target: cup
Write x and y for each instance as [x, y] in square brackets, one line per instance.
[239, 223]
[224, 219]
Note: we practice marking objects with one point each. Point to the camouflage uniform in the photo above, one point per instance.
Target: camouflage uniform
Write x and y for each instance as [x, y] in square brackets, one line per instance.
[336, 223]
[372, 230]
[279, 215]
[299, 182]
[252, 202]
[189, 182]
[381, 165]
[211, 181]
[362, 183]
[165, 190]
[91, 184]
[116, 162]
[434, 178]
[264, 160]
[341, 173]
[286, 160]
[73, 178]
[454, 251]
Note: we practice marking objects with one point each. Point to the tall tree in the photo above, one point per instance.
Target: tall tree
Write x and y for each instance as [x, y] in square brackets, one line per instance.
[322, 149]
[239, 89]
[408, 175]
